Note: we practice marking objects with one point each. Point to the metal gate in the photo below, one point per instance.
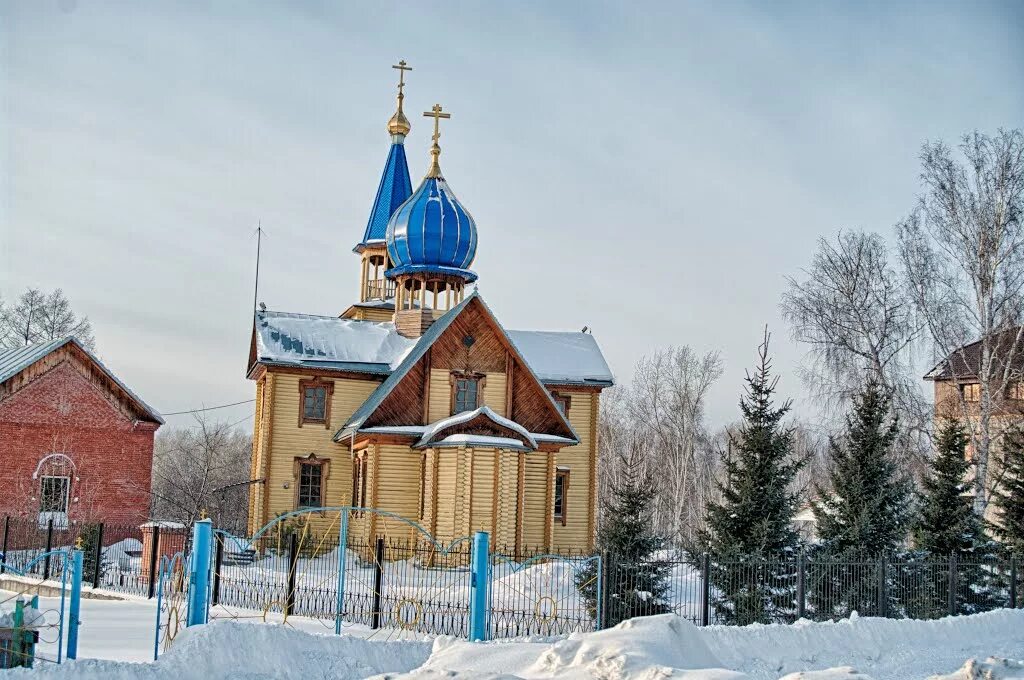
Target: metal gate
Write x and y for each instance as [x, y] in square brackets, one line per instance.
[31, 628]
[545, 594]
[171, 600]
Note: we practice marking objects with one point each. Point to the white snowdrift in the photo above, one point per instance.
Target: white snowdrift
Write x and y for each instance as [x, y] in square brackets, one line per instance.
[657, 647]
[989, 669]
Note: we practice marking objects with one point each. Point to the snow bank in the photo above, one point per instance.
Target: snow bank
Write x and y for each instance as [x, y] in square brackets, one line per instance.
[917, 647]
[229, 649]
[989, 669]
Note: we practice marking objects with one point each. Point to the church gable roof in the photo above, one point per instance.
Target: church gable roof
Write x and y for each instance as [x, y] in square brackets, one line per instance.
[400, 396]
[15, 361]
[332, 343]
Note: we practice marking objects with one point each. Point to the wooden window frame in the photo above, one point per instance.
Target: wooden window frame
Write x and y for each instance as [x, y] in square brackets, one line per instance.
[564, 399]
[560, 475]
[312, 383]
[972, 387]
[325, 471]
[454, 377]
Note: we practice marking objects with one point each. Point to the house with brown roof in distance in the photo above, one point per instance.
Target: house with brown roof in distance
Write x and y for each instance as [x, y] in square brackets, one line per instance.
[957, 384]
[76, 444]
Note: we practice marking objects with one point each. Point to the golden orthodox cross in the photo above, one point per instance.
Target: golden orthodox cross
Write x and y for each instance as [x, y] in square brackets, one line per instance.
[437, 115]
[402, 68]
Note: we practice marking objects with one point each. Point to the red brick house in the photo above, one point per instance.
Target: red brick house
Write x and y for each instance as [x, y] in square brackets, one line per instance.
[75, 443]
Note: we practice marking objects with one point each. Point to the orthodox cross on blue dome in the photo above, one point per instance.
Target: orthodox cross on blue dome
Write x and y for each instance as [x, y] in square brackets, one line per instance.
[436, 112]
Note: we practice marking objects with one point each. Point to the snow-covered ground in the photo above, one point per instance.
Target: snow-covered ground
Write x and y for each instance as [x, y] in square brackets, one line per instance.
[116, 636]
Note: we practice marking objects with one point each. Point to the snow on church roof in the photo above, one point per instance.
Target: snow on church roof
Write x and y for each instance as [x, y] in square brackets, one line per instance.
[329, 342]
[563, 357]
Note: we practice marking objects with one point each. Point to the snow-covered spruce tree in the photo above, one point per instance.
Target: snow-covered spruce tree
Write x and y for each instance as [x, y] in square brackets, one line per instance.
[1008, 526]
[635, 579]
[946, 523]
[946, 527]
[749, 531]
[865, 515]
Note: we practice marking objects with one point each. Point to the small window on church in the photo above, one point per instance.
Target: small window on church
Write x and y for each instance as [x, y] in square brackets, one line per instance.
[315, 406]
[972, 392]
[561, 494]
[54, 493]
[466, 392]
[311, 478]
[562, 402]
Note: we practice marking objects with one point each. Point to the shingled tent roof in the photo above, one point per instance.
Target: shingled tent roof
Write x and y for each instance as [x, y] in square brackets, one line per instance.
[965, 362]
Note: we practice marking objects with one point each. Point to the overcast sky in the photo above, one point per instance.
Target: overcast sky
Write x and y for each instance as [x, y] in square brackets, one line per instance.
[653, 171]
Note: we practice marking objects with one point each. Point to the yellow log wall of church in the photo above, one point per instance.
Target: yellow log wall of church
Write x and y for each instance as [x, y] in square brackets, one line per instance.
[374, 314]
[447, 485]
[507, 505]
[535, 499]
[398, 488]
[256, 462]
[482, 508]
[289, 441]
[576, 533]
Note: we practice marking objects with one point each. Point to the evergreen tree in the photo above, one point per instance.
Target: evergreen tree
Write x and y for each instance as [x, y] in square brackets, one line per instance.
[948, 534]
[946, 523]
[867, 512]
[752, 523]
[1009, 496]
[636, 580]
[865, 516]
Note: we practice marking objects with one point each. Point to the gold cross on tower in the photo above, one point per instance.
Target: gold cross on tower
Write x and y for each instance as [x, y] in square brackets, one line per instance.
[435, 149]
[399, 124]
[402, 68]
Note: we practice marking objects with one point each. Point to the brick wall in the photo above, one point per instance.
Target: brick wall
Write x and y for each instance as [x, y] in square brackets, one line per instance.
[64, 411]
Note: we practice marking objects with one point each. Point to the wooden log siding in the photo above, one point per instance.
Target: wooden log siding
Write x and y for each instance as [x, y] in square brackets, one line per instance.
[256, 491]
[397, 472]
[581, 461]
[535, 499]
[285, 441]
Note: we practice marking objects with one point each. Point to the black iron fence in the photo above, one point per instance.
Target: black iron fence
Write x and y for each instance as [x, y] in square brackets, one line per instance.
[709, 590]
[120, 557]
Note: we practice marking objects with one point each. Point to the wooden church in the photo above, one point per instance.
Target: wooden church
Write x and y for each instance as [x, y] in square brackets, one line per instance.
[416, 400]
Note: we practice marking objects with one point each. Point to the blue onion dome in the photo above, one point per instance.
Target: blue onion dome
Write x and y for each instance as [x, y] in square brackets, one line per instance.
[432, 232]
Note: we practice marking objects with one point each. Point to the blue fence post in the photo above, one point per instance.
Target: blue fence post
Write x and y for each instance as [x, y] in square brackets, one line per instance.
[342, 550]
[198, 584]
[77, 559]
[478, 587]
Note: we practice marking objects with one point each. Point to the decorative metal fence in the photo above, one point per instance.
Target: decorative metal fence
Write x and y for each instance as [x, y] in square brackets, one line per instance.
[714, 591]
[119, 557]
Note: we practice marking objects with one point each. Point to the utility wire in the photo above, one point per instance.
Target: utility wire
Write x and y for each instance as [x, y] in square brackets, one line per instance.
[209, 408]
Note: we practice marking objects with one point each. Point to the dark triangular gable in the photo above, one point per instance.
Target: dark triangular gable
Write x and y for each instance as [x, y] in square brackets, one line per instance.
[400, 399]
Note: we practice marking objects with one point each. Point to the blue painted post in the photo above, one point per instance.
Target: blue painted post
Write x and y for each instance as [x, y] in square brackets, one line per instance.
[76, 602]
[478, 587]
[342, 550]
[599, 612]
[199, 580]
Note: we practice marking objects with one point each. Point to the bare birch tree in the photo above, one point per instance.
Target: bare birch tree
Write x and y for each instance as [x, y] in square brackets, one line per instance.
[191, 464]
[852, 311]
[40, 317]
[663, 413]
[963, 254]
